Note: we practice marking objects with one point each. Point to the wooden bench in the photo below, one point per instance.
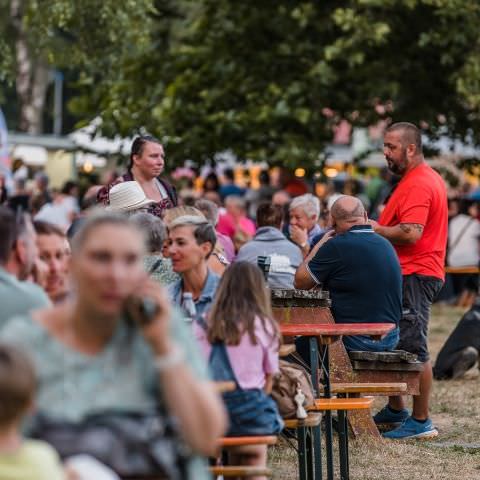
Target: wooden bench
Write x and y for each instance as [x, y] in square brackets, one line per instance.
[378, 367]
[342, 406]
[312, 420]
[312, 306]
[240, 471]
[309, 444]
[243, 471]
[462, 270]
[352, 389]
[378, 371]
[228, 442]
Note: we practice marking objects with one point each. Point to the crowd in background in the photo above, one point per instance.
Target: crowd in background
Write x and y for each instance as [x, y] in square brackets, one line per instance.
[199, 240]
[236, 204]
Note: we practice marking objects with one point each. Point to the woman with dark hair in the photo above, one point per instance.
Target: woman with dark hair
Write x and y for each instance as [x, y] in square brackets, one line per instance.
[147, 162]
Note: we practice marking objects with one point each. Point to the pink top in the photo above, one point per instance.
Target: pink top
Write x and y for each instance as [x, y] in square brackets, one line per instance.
[228, 247]
[227, 225]
[250, 362]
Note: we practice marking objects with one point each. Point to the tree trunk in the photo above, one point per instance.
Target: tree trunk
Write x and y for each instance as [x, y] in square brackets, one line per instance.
[32, 77]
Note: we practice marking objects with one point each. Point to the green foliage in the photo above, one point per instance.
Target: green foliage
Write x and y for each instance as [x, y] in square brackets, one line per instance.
[268, 80]
[88, 36]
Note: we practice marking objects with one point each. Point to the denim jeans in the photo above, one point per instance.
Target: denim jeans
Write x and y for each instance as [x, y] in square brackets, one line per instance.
[365, 343]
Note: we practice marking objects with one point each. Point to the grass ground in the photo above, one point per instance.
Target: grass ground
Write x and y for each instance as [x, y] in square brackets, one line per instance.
[455, 410]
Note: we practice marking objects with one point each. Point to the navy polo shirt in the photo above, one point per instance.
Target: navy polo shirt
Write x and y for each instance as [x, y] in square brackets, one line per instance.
[362, 272]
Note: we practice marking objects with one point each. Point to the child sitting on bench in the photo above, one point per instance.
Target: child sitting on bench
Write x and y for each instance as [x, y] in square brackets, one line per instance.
[241, 341]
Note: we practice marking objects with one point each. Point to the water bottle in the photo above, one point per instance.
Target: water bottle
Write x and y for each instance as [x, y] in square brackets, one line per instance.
[188, 306]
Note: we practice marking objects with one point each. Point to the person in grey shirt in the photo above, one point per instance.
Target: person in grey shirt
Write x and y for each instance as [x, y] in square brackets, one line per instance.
[18, 253]
[155, 264]
[285, 256]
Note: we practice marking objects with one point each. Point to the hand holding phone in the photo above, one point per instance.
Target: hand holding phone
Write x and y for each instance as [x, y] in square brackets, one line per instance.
[149, 308]
[142, 310]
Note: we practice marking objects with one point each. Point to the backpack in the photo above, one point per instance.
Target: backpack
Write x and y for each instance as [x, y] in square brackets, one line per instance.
[285, 386]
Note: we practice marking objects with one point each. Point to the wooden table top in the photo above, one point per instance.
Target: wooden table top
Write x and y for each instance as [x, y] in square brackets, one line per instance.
[336, 329]
[470, 269]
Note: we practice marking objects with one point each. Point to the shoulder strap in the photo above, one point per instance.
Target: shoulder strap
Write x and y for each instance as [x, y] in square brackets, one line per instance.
[154, 266]
[461, 234]
[219, 360]
[171, 191]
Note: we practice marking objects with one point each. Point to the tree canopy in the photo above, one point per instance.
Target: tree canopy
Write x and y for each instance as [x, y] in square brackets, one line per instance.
[268, 80]
[86, 36]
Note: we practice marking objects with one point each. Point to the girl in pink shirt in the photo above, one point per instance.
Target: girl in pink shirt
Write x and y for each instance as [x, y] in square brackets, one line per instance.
[241, 341]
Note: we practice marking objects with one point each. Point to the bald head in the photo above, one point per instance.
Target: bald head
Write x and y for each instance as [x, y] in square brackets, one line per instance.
[346, 212]
[347, 207]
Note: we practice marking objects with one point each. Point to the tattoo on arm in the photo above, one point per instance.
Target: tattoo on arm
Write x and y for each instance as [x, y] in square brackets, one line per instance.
[409, 227]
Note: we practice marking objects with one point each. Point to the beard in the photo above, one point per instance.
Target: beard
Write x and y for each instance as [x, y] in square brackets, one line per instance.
[398, 167]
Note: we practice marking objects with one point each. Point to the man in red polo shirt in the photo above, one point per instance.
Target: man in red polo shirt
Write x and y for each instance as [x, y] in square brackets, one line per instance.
[415, 221]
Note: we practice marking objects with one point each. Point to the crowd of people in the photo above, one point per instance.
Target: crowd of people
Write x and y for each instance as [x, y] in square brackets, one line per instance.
[133, 299]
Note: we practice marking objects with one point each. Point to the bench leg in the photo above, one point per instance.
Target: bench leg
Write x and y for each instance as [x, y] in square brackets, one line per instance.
[302, 453]
[343, 445]
[325, 359]
[309, 454]
[317, 449]
[329, 444]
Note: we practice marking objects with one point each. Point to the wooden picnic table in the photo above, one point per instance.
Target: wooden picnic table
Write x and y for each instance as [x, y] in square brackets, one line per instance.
[325, 334]
[334, 331]
[463, 270]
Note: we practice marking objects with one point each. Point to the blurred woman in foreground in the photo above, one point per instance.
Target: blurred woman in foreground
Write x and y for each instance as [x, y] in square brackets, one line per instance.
[88, 359]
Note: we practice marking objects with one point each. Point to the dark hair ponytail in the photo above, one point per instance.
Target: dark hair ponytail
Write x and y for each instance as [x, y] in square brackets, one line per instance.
[138, 145]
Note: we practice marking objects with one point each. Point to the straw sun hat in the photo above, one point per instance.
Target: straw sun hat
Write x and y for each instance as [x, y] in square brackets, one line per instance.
[127, 196]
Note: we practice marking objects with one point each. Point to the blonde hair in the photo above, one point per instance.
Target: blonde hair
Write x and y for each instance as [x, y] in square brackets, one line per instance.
[184, 210]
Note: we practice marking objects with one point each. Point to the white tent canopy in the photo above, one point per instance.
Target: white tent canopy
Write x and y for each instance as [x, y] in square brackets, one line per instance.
[85, 138]
[31, 155]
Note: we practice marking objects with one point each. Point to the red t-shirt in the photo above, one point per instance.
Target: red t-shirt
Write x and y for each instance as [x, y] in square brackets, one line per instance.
[420, 197]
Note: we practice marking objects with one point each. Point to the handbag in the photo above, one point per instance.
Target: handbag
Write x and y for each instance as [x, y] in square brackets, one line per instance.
[132, 444]
[285, 384]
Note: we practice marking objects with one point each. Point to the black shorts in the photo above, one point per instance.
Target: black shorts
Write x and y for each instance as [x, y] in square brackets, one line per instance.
[419, 291]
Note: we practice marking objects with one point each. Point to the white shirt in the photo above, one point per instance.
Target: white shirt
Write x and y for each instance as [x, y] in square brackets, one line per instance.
[463, 247]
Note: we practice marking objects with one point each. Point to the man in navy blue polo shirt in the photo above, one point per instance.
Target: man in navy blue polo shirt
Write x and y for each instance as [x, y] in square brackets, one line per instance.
[360, 269]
